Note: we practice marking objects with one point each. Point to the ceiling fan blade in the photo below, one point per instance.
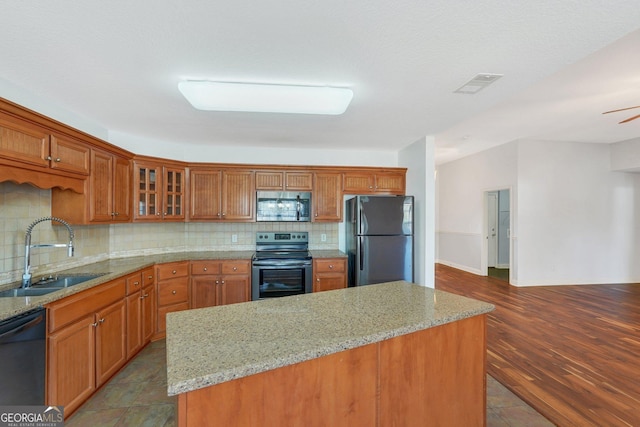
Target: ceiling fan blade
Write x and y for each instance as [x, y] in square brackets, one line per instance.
[621, 109]
[629, 119]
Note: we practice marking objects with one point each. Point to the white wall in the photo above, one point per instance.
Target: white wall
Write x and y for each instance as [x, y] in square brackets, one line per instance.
[625, 155]
[578, 220]
[574, 220]
[461, 204]
[418, 158]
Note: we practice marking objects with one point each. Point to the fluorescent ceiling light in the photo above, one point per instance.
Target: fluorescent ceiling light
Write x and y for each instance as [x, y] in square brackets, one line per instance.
[266, 98]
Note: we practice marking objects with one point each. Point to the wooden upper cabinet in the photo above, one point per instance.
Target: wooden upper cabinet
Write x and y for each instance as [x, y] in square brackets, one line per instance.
[222, 195]
[159, 192]
[110, 192]
[205, 193]
[31, 146]
[69, 155]
[23, 142]
[107, 195]
[238, 195]
[374, 182]
[327, 197]
[284, 180]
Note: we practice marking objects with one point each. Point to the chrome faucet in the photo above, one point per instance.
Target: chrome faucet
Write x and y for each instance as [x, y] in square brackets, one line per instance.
[26, 277]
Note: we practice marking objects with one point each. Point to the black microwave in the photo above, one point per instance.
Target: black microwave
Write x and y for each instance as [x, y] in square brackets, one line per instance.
[283, 206]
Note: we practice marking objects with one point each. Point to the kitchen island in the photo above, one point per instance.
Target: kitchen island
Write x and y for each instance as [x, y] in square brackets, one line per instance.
[379, 355]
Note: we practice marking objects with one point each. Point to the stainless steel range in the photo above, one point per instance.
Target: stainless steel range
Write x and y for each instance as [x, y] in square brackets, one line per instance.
[281, 265]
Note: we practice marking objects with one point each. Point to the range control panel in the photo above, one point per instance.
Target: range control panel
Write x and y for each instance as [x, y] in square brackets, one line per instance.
[280, 237]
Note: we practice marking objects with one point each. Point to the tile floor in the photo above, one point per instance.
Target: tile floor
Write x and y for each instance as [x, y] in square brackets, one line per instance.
[136, 397]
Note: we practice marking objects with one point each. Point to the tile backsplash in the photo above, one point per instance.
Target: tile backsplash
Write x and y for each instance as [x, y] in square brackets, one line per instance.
[22, 204]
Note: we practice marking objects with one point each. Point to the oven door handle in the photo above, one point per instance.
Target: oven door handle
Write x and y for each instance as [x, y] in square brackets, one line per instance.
[280, 264]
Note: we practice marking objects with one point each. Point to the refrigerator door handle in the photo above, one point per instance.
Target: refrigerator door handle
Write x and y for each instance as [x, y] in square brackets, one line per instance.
[361, 253]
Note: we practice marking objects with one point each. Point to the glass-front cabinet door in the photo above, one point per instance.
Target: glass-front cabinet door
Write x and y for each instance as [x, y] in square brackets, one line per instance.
[148, 187]
[174, 193]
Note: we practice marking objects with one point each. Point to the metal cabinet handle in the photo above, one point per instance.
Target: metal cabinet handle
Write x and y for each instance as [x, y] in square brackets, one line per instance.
[235, 268]
[58, 160]
[223, 282]
[330, 266]
[48, 158]
[150, 277]
[173, 292]
[101, 320]
[204, 269]
[173, 272]
[318, 279]
[136, 283]
[95, 324]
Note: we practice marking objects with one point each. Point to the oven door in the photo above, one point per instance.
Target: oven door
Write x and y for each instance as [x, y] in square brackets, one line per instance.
[273, 279]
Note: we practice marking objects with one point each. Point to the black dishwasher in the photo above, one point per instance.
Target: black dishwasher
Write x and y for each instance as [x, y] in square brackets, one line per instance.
[22, 358]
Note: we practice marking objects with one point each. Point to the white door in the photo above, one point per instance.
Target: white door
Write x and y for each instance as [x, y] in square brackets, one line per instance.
[492, 228]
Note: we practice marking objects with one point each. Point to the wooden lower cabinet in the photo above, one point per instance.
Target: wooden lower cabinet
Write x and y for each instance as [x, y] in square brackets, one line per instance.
[141, 311]
[433, 377]
[86, 343]
[172, 292]
[329, 274]
[220, 282]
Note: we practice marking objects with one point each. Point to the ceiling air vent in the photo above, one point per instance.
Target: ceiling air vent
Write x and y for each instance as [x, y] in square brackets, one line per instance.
[478, 83]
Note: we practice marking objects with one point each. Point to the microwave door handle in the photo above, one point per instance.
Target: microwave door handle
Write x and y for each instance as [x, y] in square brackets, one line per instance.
[298, 208]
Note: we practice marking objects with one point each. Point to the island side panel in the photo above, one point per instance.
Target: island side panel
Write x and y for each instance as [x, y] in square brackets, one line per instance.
[334, 390]
[436, 375]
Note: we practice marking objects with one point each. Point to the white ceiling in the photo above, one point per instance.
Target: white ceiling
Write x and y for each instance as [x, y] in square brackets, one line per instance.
[118, 63]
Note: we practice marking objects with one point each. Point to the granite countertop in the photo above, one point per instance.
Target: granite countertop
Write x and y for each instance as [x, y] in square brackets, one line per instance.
[213, 345]
[327, 253]
[110, 270]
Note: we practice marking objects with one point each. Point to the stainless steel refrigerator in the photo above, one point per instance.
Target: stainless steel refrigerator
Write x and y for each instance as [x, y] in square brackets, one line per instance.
[379, 239]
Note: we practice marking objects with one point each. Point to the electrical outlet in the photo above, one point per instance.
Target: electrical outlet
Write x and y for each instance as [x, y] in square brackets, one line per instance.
[234, 238]
[323, 237]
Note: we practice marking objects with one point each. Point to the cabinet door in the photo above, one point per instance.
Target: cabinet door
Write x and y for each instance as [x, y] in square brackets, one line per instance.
[271, 180]
[148, 313]
[298, 181]
[359, 183]
[23, 143]
[329, 274]
[204, 291]
[101, 191]
[390, 183]
[148, 190]
[173, 196]
[121, 189]
[69, 155]
[234, 289]
[327, 197]
[134, 323]
[111, 348]
[206, 187]
[238, 196]
[71, 375]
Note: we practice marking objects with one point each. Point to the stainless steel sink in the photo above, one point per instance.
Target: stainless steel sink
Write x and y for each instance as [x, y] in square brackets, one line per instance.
[27, 292]
[63, 281]
[46, 285]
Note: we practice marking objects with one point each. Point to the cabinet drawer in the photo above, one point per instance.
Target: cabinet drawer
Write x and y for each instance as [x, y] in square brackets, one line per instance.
[236, 267]
[69, 309]
[134, 282]
[332, 265]
[148, 277]
[173, 292]
[171, 270]
[205, 267]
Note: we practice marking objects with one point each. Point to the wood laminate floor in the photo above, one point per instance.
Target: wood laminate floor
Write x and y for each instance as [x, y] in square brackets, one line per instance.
[571, 352]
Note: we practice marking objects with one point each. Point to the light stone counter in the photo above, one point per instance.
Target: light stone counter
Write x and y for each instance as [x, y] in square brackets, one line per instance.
[213, 345]
[327, 253]
[110, 270]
